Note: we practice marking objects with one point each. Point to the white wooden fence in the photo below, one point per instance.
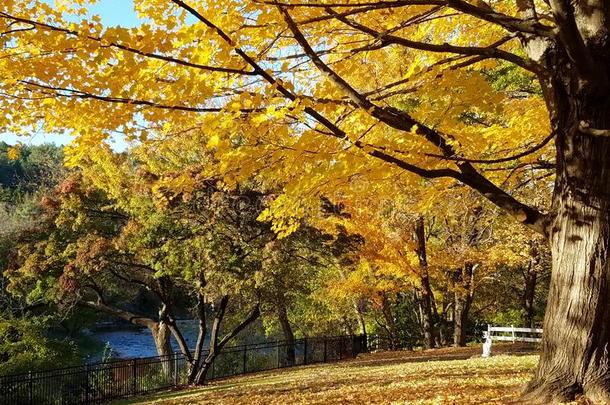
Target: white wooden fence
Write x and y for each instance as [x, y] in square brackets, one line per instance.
[509, 334]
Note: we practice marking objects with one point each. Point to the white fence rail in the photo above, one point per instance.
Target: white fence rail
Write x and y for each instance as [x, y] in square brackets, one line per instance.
[509, 334]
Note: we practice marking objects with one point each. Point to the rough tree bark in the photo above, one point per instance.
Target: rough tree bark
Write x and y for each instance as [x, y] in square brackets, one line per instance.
[575, 358]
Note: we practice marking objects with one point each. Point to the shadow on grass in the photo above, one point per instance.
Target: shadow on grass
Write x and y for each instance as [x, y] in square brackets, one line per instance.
[220, 385]
[379, 359]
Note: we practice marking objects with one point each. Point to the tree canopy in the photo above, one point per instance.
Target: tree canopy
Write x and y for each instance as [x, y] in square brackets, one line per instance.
[322, 103]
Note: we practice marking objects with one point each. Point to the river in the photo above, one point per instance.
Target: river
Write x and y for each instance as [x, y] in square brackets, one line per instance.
[131, 342]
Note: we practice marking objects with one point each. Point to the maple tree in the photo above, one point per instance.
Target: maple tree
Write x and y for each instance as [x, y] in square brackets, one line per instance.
[313, 94]
[442, 258]
[84, 253]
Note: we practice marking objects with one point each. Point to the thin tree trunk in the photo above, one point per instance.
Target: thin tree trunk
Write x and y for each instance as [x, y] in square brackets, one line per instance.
[282, 314]
[359, 308]
[445, 318]
[530, 276]
[161, 335]
[388, 317]
[196, 360]
[215, 345]
[425, 296]
[462, 302]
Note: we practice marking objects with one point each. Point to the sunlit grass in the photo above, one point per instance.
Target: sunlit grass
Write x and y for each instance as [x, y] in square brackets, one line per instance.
[381, 378]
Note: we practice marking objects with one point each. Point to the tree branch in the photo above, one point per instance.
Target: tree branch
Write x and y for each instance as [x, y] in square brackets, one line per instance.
[254, 314]
[403, 121]
[73, 93]
[393, 117]
[127, 48]
[490, 51]
[544, 142]
[509, 23]
[572, 40]
[101, 306]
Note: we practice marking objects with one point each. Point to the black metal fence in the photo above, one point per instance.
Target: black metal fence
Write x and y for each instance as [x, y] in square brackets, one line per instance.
[103, 382]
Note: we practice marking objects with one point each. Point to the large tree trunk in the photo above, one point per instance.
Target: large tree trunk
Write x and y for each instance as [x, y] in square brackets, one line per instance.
[576, 339]
[161, 335]
[463, 299]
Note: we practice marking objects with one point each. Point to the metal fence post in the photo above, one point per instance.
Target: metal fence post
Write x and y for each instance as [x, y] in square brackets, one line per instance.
[324, 349]
[175, 370]
[30, 388]
[244, 365]
[134, 376]
[512, 327]
[87, 388]
[305, 351]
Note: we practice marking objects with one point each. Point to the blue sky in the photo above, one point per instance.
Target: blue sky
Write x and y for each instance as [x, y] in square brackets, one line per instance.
[112, 12]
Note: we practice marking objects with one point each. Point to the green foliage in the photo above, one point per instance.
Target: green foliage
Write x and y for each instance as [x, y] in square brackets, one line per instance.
[508, 77]
[508, 317]
[25, 344]
[37, 167]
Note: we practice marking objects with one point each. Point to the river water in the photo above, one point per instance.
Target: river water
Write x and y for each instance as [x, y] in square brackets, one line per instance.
[131, 342]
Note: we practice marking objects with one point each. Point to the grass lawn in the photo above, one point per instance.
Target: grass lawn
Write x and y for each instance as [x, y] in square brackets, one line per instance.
[444, 376]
